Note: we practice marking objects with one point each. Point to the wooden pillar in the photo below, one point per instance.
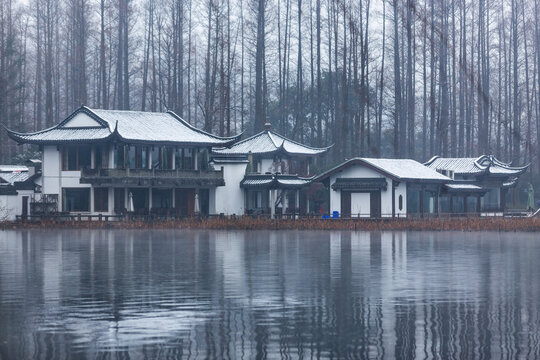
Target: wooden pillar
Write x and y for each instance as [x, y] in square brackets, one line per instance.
[451, 204]
[437, 202]
[271, 203]
[297, 204]
[465, 204]
[246, 200]
[421, 202]
[149, 199]
[502, 195]
[478, 204]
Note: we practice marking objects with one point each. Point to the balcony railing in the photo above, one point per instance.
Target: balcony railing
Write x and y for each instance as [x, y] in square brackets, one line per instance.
[152, 177]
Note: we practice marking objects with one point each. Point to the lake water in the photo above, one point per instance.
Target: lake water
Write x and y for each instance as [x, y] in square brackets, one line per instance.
[284, 294]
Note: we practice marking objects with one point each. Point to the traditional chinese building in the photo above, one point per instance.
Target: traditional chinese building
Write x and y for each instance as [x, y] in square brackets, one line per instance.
[479, 184]
[365, 187]
[273, 172]
[18, 186]
[112, 162]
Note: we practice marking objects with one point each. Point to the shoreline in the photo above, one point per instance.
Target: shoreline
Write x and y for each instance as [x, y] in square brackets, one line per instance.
[528, 224]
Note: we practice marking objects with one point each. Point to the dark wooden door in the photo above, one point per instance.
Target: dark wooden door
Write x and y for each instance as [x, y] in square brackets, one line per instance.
[346, 204]
[24, 207]
[185, 201]
[375, 204]
[119, 200]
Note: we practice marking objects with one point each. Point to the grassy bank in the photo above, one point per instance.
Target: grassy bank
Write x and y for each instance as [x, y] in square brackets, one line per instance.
[248, 223]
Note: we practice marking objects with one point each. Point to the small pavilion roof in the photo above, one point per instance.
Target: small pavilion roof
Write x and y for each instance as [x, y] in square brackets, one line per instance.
[485, 164]
[87, 125]
[396, 169]
[268, 142]
[274, 181]
[463, 188]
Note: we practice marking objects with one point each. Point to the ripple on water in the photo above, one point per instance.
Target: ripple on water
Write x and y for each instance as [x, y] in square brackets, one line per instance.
[286, 294]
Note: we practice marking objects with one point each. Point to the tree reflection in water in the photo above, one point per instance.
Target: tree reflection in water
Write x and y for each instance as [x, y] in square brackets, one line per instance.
[283, 294]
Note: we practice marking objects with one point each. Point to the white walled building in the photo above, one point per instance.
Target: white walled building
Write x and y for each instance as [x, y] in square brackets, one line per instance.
[273, 171]
[113, 162]
[479, 184]
[17, 188]
[364, 187]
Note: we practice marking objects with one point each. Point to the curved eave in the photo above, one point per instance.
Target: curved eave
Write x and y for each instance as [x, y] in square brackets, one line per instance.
[515, 171]
[27, 138]
[222, 141]
[317, 151]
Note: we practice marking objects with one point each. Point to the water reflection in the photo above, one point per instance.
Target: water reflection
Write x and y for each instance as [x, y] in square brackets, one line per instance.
[245, 295]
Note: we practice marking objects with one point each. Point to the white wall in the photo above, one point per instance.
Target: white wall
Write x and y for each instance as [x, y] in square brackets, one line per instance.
[267, 165]
[230, 198]
[51, 170]
[359, 171]
[11, 205]
[54, 179]
[81, 120]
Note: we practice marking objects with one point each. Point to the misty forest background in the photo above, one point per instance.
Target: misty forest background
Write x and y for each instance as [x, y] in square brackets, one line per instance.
[409, 78]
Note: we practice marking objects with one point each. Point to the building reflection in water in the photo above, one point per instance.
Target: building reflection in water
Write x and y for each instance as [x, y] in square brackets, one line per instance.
[245, 295]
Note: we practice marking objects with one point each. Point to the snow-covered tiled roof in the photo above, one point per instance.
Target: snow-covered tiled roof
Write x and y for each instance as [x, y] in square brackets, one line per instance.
[457, 165]
[399, 169]
[269, 142]
[60, 135]
[15, 176]
[464, 188]
[459, 186]
[475, 166]
[13, 173]
[92, 125]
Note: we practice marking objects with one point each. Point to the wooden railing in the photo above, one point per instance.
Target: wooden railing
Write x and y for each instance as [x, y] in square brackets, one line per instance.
[152, 173]
[153, 217]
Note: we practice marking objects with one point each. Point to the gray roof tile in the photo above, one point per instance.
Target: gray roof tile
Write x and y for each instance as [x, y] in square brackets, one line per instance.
[268, 142]
[128, 126]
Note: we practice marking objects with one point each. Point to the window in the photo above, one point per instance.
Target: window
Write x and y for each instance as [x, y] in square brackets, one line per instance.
[400, 202]
[142, 157]
[74, 199]
[155, 158]
[161, 198]
[131, 157]
[102, 157]
[137, 157]
[166, 158]
[188, 159]
[185, 159]
[101, 199]
[120, 157]
[76, 158]
[491, 199]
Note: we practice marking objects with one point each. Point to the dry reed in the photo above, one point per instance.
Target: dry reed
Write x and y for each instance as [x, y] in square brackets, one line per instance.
[250, 223]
